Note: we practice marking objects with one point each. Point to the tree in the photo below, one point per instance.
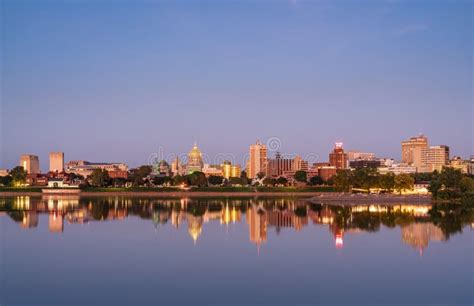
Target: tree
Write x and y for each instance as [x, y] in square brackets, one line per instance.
[268, 181]
[387, 181]
[261, 175]
[281, 181]
[435, 185]
[18, 175]
[215, 179]
[99, 178]
[403, 182]
[343, 180]
[365, 178]
[467, 184]
[301, 176]
[6, 180]
[197, 178]
[316, 180]
[179, 180]
[451, 178]
[138, 175]
[237, 181]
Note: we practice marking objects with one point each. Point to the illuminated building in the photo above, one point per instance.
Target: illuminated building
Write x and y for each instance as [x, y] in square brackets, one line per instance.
[194, 160]
[412, 150]
[56, 162]
[226, 169]
[299, 164]
[434, 158]
[363, 163]
[30, 163]
[3, 172]
[358, 155]
[177, 168]
[235, 171]
[161, 168]
[458, 163]
[209, 170]
[85, 168]
[277, 166]
[257, 160]
[337, 158]
[397, 169]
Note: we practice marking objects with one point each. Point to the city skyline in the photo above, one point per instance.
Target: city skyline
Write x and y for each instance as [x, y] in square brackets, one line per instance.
[121, 82]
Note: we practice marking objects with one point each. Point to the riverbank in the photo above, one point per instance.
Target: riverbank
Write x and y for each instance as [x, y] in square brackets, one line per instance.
[316, 197]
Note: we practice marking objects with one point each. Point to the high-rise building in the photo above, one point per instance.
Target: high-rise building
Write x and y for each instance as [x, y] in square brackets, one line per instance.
[300, 164]
[337, 158]
[56, 162]
[257, 160]
[412, 150]
[30, 163]
[278, 166]
[176, 167]
[194, 160]
[434, 158]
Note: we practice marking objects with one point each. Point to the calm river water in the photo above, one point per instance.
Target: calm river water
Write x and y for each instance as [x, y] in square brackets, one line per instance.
[265, 251]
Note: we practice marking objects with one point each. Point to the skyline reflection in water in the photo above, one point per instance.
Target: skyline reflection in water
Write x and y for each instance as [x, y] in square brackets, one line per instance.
[232, 251]
[420, 224]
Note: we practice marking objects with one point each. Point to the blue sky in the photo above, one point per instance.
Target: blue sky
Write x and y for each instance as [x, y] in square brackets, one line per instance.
[117, 80]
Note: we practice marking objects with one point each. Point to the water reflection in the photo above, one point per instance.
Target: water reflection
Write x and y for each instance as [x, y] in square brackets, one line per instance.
[419, 224]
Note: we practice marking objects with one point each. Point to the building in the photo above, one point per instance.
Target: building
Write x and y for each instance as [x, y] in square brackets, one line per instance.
[434, 158]
[257, 160]
[85, 168]
[337, 158]
[412, 150]
[471, 165]
[161, 168]
[214, 170]
[460, 164]
[3, 172]
[60, 183]
[235, 171]
[398, 169]
[56, 162]
[327, 172]
[194, 160]
[299, 164]
[177, 168]
[278, 166]
[365, 163]
[358, 155]
[30, 163]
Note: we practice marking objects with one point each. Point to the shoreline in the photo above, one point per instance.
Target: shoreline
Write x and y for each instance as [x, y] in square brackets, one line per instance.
[314, 196]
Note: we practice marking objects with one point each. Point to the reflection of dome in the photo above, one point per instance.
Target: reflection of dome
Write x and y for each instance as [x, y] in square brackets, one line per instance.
[194, 227]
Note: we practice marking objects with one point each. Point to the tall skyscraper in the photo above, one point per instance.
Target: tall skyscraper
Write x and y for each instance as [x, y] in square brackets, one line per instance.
[412, 150]
[337, 158]
[56, 162]
[30, 163]
[257, 160]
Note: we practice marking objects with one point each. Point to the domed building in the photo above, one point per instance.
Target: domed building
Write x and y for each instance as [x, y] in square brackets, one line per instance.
[161, 168]
[194, 160]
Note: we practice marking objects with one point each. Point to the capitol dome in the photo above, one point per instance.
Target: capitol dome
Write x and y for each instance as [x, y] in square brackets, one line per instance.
[194, 160]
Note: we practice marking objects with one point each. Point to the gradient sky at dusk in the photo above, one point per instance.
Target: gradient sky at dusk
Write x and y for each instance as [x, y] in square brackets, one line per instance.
[115, 80]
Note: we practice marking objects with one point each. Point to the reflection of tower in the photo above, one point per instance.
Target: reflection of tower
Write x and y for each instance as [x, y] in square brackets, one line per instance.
[55, 222]
[338, 235]
[30, 219]
[194, 226]
[257, 225]
[229, 215]
[418, 235]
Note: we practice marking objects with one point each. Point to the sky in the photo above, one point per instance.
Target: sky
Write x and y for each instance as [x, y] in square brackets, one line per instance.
[125, 81]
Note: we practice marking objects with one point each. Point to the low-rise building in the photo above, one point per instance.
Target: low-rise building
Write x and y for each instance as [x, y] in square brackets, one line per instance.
[460, 164]
[85, 168]
[3, 172]
[397, 169]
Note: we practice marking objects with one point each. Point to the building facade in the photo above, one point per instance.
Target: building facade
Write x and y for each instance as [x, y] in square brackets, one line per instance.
[434, 158]
[85, 168]
[195, 162]
[30, 163]
[56, 162]
[257, 160]
[337, 158]
[412, 151]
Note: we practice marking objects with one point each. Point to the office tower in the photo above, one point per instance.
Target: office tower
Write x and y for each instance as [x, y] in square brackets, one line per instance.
[56, 162]
[277, 166]
[412, 150]
[30, 163]
[337, 158]
[257, 160]
[434, 158]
